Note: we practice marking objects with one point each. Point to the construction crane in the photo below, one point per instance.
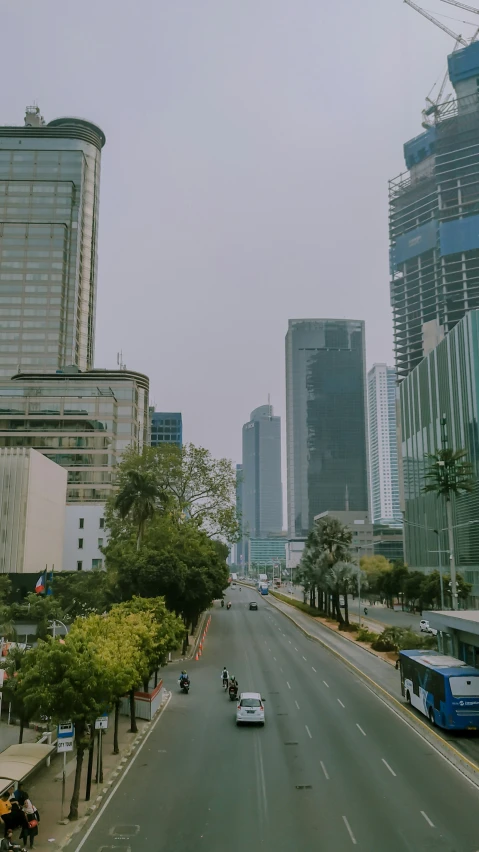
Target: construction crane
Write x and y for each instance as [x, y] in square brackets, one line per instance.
[433, 20]
[461, 6]
[434, 108]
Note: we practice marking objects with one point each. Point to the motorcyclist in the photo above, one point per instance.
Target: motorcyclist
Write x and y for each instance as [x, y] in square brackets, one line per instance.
[184, 678]
[228, 605]
[225, 676]
[222, 602]
[233, 684]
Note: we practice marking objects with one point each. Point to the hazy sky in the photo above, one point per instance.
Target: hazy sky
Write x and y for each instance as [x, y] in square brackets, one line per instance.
[244, 179]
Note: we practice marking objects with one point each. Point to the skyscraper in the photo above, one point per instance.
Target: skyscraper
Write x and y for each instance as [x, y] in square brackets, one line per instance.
[434, 220]
[262, 496]
[325, 419]
[49, 188]
[383, 449]
[166, 427]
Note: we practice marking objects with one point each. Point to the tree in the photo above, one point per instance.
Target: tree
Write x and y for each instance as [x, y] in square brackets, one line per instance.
[80, 593]
[328, 545]
[448, 475]
[66, 681]
[139, 497]
[339, 577]
[10, 692]
[197, 486]
[375, 568]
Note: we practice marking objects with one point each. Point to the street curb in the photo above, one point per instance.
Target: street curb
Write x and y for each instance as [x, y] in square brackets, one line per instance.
[79, 824]
[460, 762]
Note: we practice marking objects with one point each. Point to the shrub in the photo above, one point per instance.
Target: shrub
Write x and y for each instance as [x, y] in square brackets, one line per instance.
[391, 638]
[365, 635]
[304, 607]
[348, 628]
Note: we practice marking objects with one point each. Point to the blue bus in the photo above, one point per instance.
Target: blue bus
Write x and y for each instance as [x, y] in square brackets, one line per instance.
[263, 588]
[446, 690]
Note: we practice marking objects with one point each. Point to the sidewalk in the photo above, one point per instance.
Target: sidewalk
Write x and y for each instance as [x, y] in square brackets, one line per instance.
[45, 787]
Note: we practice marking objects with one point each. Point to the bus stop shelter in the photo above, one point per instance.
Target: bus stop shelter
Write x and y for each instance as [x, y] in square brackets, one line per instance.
[458, 633]
[17, 762]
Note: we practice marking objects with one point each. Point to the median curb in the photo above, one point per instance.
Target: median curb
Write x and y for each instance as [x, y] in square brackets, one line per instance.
[461, 763]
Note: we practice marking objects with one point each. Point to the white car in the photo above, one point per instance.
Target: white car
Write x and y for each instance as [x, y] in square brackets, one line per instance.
[425, 627]
[250, 708]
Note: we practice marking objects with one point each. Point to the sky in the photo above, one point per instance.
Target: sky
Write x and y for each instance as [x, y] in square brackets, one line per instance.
[244, 178]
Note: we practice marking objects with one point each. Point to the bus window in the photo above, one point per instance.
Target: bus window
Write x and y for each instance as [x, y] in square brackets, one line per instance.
[437, 688]
[464, 686]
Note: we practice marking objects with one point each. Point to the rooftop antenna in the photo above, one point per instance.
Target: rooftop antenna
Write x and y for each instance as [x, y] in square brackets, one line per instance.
[269, 405]
[119, 360]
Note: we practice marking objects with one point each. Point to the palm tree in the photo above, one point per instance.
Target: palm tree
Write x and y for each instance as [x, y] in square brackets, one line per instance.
[339, 578]
[449, 474]
[139, 498]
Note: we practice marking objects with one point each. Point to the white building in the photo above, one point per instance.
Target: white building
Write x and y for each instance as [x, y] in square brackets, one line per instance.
[383, 451]
[85, 534]
[32, 511]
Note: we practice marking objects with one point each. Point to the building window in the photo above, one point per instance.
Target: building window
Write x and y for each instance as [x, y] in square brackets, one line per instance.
[96, 563]
[102, 523]
[80, 544]
[100, 542]
[79, 566]
[81, 523]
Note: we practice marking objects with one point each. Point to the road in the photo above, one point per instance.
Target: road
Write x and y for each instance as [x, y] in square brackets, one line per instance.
[333, 768]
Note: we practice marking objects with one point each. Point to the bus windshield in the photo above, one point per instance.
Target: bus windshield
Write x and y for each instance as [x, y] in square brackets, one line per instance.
[462, 687]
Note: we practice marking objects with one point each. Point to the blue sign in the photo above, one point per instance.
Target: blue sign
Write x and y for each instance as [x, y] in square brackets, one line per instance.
[459, 235]
[415, 242]
[66, 731]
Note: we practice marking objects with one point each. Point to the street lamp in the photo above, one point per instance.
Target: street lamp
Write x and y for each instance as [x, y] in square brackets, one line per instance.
[54, 623]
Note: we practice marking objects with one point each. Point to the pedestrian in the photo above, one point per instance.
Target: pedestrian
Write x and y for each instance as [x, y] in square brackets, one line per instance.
[31, 818]
[5, 810]
[20, 795]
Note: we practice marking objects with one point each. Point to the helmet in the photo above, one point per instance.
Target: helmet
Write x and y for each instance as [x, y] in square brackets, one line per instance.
[183, 672]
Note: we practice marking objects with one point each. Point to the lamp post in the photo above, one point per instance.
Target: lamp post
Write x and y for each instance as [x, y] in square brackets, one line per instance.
[54, 623]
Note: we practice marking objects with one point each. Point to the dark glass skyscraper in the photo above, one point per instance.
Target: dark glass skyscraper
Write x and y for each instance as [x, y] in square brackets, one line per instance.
[325, 419]
[262, 494]
[166, 427]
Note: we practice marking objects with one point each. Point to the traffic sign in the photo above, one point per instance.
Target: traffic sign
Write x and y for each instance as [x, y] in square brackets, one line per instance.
[66, 731]
[64, 745]
[101, 724]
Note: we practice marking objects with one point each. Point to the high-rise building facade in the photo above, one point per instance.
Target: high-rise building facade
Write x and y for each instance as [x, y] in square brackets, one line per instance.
[262, 495]
[49, 195]
[434, 220]
[238, 547]
[446, 382]
[383, 450]
[166, 427]
[81, 421]
[325, 419]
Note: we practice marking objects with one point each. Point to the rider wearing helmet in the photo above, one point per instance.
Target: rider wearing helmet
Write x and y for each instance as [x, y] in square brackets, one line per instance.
[225, 676]
[183, 676]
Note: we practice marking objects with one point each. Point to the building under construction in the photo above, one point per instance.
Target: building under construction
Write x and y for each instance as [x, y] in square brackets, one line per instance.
[434, 218]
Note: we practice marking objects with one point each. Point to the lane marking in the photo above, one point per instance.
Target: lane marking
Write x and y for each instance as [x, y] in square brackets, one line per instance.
[324, 770]
[314, 670]
[296, 649]
[346, 823]
[297, 705]
[326, 684]
[427, 819]
[387, 765]
[287, 683]
[122, 776]
[274, 658]
[309, 732]
[281, 670]
[305, 660]
[289, 640]
[360, 728]
[341, 703]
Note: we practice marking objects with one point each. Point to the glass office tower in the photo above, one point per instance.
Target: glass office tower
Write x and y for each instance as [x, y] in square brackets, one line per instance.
[325, 419]
[49, 187]
[166, 427]
[262, 491]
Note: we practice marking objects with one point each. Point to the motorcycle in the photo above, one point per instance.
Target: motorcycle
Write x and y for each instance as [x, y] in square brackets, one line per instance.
[222, 603]
[233, 692]
[185, 685]
[228, 605]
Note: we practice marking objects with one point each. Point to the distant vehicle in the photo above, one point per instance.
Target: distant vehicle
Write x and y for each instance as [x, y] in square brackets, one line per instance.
[425, 627]
[253, 605]
[250, 708]
[263, 588]
[233, 585]
[445, 689]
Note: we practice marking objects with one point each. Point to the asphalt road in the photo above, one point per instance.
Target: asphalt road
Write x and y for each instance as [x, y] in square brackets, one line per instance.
[333, 768]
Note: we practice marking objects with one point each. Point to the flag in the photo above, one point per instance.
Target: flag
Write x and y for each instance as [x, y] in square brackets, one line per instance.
[40, 585]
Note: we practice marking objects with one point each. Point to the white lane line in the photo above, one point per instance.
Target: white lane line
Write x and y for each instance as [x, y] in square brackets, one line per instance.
[429, 822]
[346, 823]
[387, 765]
[289, 640]
[360, 728]
[297, 705]
[281, 670]
[287, 683]
[305, 660]
[274, 658]
[296, 650]
[341, 703]
[314, 670]
[324, 770]
[309, 732]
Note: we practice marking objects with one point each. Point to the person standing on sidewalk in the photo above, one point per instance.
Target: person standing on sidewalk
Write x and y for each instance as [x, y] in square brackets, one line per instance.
[5, 810]
[30, 825]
